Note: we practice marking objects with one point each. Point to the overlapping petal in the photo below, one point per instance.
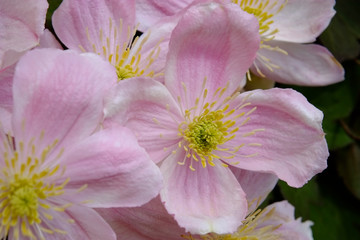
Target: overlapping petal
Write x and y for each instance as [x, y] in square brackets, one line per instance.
[283, 136]
[147, 107]
[256, 185]
[205, 200]
[302, 21]
[148, 12]
[83, 226]
[154, 44]
[48, 40]
[304, 64]
[21, 25]
[92, 24]
[222, 58]
[68, 109]
[289, 227]
[143, 223]
[6, 98]
[116, 170]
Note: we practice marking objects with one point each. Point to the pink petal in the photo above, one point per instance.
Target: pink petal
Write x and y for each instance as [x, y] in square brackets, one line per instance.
[48, 40]
[59, 94]
[283, 136]
[150, 221]
[6, 82]
[146, 106]
[88, 224]
[212, 41]
[256, 185]
[87, 24]
[116, 170]
[6, 99]
[205, 200]
[5, 121]
[154, 44]
[21, 24]
[304, 64]
[289, 228]
[303, 21]
[148, 12]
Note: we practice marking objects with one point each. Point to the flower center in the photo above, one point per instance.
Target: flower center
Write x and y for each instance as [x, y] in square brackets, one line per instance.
[125, 56]
[208, 126]
[23, 200]
[125, 72]
[206, 132]
[27, 191]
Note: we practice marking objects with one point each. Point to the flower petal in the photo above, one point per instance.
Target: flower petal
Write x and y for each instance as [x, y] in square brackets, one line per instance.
[205, 200]
[154, 44]
[304, 64]
[303, 21]
[6, 82]
[146, 107]
[48, 40]
[115, 169]
[21, 25]
[59, 94]
[256, 185]
[282, 136]
[88, 224]
[94, 25]
[143, 223]
[148, 12]
[212, 41]
[283, 216]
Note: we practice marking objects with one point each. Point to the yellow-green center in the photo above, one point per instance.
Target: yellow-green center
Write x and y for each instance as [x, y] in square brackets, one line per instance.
[206, 132]
[125, 72]
[23, 198]
[26, 191]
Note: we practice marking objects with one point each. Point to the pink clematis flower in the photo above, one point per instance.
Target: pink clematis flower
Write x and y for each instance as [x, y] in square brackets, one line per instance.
[21, 25]
[196, 125]
[108, 28]
[56, 166]
[286, 28]
[276, 221]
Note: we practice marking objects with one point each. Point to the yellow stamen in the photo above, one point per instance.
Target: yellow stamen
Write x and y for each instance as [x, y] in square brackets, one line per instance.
[26, 191]
[264, 12]
[207, 128]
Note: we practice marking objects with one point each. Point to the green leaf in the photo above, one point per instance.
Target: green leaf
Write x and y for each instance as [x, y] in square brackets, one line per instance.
[335, 135]
[340, 40]
[348, 11]
[53, 5]
[334, 217]
[349, 168]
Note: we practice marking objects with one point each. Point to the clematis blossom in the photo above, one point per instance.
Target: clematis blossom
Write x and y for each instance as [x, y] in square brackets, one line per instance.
[276, 221]
[202, 131]
[287, 29]
[55, 166]
[108, 28]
